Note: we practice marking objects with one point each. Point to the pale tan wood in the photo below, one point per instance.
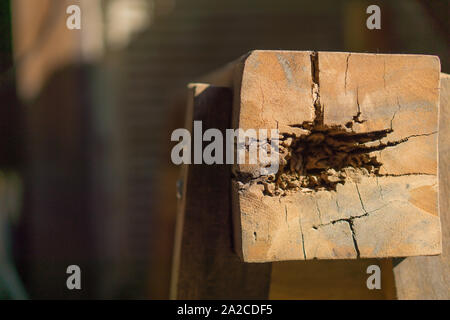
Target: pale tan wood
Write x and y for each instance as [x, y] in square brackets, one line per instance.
[429, 277]
[329, 279]
[379, 202]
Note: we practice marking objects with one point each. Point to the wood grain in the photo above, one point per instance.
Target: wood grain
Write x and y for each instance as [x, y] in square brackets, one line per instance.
[350, 125]
[429, 277]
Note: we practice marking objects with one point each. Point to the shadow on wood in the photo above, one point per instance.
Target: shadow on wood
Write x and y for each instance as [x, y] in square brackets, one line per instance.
[205, 265]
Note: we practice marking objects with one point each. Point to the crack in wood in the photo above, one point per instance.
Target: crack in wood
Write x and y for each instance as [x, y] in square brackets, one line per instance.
[303, 236]
[319, 159]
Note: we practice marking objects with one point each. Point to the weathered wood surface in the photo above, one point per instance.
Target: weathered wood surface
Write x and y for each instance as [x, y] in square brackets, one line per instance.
[350, 125]
[429, 277]
[205, 265]
[330, 279]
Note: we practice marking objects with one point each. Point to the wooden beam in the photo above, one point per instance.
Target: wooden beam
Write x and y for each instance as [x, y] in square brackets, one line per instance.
[429, 277]
[205, 265]
[330, 279]
[350, 125]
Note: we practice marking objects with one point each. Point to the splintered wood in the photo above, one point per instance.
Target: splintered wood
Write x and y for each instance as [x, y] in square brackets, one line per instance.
[358, 156]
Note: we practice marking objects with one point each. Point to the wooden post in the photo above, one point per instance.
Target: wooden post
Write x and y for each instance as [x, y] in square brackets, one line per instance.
[205, 265]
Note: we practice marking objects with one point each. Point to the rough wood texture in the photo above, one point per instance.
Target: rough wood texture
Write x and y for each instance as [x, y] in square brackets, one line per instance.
[429, 277]
[358, 156]
[205, 266]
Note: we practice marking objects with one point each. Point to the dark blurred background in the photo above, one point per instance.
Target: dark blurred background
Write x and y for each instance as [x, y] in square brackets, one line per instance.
[86, 117]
